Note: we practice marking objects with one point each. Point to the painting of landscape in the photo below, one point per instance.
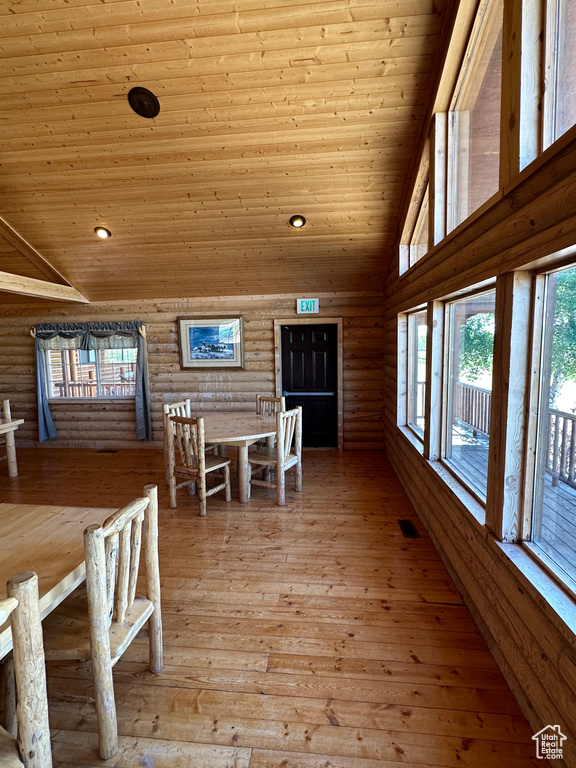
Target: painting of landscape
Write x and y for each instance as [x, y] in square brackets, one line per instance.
[211, 342]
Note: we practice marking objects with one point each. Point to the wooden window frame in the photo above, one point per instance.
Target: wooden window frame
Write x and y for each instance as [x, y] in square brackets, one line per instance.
[421, 189]
[457, 119]
[530, 458]
[420, 436]
[445, 408]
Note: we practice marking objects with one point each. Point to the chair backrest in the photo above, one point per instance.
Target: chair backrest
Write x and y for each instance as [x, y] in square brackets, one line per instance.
[5, 410]
[23, 610]
[181, 408]
[188, 442]
[289, 432]
[268, 406]
[113, 558]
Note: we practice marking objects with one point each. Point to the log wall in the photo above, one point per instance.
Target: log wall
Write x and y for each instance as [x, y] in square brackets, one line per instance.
[527, 620]
[110, 424]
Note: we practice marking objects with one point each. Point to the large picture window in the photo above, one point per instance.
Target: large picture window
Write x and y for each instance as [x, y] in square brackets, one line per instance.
[470, 346]
[474, 119]
[416, 374]
[91, 373]
[554, 503]
[91, 361]
[560, 69]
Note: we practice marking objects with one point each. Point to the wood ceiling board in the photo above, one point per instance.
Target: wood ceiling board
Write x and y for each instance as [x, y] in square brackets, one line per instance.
[69, 21]
[390, 122]
[299, 107]
[11, 260]
[206, 36]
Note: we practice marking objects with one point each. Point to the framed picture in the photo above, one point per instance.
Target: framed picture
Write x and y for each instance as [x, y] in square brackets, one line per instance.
[212, 342]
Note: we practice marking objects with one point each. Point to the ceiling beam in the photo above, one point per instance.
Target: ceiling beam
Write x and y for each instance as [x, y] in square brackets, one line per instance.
[40, 289]
[24, 247]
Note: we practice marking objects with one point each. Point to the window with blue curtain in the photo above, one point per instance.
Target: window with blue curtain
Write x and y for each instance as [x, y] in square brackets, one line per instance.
[90, 339]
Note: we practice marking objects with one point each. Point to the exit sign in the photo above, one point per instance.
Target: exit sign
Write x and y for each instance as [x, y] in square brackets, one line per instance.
[307, 306]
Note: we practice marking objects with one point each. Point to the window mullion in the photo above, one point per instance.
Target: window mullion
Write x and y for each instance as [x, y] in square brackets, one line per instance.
[433, 398]
[97, 365]
[538, 305]
[437, 179]
[508, 423]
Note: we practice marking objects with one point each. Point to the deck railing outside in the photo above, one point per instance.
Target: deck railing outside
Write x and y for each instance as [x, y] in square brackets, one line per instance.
[90, 389]
[562, 447]
[472, 407]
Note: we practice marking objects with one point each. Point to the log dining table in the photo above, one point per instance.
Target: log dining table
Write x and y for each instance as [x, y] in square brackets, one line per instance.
[50, 541]
[240, 430]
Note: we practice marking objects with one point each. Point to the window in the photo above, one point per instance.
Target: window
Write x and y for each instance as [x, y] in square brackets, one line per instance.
[560, 75]
[91, 373]
[414, 239]
[470, 343]
[474, 119]
[554, 503]
[416, 374]
[419, 239]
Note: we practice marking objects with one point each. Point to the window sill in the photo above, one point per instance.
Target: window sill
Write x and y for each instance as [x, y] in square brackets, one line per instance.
[463, 495]
[414, 441]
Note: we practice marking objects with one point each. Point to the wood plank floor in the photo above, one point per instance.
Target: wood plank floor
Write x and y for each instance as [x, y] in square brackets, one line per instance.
[309, 636]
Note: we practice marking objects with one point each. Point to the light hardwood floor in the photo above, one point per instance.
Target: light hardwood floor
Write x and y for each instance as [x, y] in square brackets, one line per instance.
[308, 636]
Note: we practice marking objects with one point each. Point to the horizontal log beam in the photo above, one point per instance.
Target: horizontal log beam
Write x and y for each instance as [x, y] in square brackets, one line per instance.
[41, 289]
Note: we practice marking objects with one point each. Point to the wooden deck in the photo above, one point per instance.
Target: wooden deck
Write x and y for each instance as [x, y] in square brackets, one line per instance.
[308, 636]
[558, 532]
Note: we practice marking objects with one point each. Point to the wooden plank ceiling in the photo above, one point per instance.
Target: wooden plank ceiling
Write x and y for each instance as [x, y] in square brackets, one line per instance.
[267, 108]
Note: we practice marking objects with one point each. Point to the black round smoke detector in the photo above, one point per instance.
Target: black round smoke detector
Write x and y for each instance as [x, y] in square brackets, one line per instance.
[143, 102]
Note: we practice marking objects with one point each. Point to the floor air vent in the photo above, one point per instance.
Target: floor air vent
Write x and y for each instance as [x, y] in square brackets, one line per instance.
[408, 529]
[106, 450]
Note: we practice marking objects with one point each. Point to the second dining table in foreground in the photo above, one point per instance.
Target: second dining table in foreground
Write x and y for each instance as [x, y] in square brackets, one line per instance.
[49, 540]
[240, 430]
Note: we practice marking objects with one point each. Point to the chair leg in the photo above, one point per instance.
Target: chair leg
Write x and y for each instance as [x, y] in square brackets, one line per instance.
[166, 467]
[281, 487]
[298, 476]
[227, 481]
[268, 470]
[201, 485]
[172, 492]
[155, 642]
[105, 706]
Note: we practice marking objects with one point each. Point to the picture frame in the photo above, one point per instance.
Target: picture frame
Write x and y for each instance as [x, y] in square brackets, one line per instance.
[211, 342]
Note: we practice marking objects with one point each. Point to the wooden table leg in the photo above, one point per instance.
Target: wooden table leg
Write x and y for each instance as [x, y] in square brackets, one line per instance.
[243, 474]
[11, 454]
[8, 696]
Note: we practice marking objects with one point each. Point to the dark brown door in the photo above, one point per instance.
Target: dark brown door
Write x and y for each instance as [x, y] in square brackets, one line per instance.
[310, 379]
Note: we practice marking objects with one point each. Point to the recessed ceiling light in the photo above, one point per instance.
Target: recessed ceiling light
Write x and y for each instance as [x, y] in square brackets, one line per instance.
[102, 232]
[297, 221]
[143, 102]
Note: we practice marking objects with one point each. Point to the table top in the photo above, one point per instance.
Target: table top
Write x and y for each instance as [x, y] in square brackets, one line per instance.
[238, 427]
[48, 540]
